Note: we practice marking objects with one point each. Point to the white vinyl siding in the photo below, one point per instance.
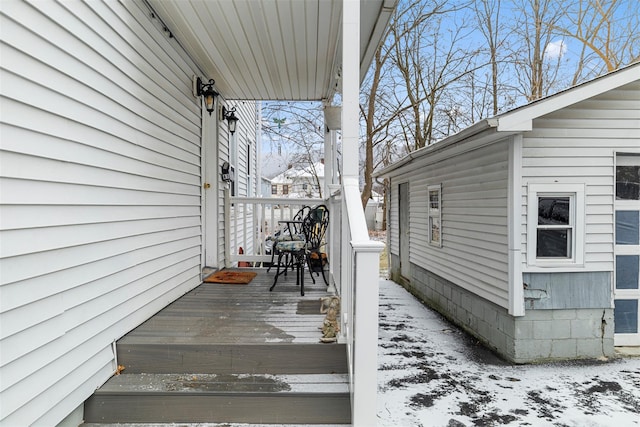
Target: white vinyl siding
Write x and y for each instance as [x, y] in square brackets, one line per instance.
[577, 145]
[474, 191]
[100, 194]
[245, 132]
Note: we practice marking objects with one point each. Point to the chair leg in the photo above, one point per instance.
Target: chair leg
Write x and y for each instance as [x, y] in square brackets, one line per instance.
[275, 279]
[273, 254]
[323, 276]
[286, 262]
[301, 272]
[292, 262]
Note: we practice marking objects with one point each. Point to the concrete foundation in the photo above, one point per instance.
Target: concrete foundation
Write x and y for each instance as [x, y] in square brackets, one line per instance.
[540, 335]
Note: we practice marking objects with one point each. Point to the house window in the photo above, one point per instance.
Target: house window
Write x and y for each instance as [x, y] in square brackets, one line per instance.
[555, 230]
[627, 179]
[274, 189]
[285, 189]
[555, 218]
[435, 215]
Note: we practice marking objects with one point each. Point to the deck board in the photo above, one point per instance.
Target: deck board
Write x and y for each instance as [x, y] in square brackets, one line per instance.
[224, 314]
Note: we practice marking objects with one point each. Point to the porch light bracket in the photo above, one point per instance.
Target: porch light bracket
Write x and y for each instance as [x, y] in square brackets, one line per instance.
[206, 90]
[231, 118]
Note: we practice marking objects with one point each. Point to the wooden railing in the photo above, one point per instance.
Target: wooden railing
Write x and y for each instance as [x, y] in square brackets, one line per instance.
[358, 274]
[251, 221]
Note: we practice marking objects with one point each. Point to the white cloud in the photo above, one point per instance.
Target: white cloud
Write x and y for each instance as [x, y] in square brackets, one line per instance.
[556, 49]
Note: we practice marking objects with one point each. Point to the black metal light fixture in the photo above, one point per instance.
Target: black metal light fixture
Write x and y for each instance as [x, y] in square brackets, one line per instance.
[230, 116]
[208, 92]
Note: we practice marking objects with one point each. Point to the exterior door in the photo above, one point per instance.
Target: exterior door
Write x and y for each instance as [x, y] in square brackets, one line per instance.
[627, 251]
[403, 229]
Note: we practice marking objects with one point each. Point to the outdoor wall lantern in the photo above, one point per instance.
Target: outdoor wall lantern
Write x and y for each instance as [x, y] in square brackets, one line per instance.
[208, 92]
[230, 116]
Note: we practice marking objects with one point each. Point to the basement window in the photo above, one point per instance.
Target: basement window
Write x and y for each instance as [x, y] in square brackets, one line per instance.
[555, 218]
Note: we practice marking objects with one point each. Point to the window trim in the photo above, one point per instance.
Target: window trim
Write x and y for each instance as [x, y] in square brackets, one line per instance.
[434, 213]
[576, 194]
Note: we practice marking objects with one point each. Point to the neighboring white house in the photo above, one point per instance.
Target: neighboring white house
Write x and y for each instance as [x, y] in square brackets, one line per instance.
[305, 180]
[265, 187]
[111, 188]
[524, 228]
[374, 211]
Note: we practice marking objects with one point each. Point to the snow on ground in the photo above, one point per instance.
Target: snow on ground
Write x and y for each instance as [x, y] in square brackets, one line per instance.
[432, 374]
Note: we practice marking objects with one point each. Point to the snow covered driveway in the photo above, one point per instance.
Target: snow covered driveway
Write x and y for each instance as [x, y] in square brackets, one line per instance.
[432, 374]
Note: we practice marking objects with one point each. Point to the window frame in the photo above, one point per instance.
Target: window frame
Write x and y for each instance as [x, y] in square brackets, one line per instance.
[433, 214]
[577, 208]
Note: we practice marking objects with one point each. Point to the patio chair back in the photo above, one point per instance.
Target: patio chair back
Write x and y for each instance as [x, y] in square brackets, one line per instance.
[315, 226]
[300, 216]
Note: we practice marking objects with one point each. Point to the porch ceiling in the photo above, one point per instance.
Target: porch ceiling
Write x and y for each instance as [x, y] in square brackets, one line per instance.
[272, 49]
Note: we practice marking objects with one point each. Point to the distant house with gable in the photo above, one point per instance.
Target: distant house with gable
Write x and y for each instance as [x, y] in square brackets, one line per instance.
[301, 181]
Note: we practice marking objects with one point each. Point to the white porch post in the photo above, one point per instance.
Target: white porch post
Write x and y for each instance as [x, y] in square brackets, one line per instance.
[329, 166]
[364, 325]
[350, 87]
[329, 187]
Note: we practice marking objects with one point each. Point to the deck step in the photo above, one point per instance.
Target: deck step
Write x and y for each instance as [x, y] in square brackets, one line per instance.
[228, 398]
[274, 358]
[202, 425]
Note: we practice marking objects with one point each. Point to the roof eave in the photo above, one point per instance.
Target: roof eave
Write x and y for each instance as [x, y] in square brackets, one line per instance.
[521, 119]
[464, 134]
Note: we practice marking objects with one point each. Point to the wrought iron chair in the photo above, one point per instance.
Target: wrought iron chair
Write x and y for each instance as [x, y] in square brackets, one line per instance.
[290, 230]
[315, 258]
[314, 227]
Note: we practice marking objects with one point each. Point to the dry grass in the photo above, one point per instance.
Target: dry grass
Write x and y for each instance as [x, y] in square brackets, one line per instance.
[381, 236]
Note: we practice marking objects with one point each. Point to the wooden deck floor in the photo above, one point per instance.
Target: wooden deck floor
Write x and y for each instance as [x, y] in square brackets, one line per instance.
[239, 314]
[230, 353]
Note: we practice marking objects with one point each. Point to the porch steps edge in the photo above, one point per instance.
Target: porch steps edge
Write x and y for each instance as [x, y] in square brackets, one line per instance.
[193, 398]
[272, 358]
[204, 425]
[224, 383]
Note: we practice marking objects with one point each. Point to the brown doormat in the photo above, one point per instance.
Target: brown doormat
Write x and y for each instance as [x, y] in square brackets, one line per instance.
[231, 277]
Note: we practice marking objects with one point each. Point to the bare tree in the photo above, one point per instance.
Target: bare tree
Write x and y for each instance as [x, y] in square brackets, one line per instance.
[381, 103]
[488, 17]
[608, 33]
[536, 67]
[296, 126]
[432, 75]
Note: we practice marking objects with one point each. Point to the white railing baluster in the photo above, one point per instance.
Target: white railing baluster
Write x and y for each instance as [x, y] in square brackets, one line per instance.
[251, 220]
